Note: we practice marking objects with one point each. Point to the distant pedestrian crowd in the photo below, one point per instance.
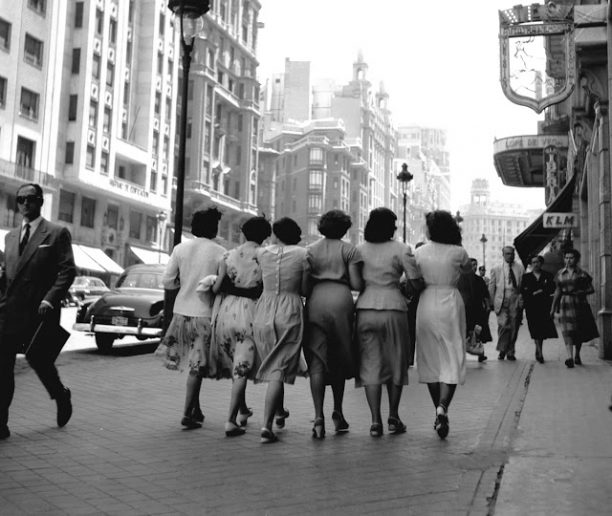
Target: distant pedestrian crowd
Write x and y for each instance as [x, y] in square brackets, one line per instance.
[271, 313]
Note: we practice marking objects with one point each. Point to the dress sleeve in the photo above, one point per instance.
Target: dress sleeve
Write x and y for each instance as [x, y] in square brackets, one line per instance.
[171, 280]
[353, 255]
[465, 265]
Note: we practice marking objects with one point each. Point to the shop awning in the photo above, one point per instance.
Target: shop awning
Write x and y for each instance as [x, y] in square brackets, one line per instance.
[83, 261]
[102, 259]
[3, 233]
[150, 256]
[535, 237]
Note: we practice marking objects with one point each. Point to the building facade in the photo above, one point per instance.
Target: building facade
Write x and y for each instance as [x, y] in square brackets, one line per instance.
[499, 222]
[570, 154]
[88, 111]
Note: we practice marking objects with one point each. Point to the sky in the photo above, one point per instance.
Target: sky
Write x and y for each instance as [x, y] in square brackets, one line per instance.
[439, 62]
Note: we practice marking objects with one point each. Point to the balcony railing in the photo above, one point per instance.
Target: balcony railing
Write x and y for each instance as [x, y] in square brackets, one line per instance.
[31, 175]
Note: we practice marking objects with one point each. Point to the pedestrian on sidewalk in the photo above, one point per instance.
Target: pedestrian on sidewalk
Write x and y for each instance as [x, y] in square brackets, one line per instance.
[278, 324]
[334, 268]
[441, 324]
[504, 289]
[187, 340]
[537, 288]
[575, 316]
[237, 288]
[477, 303]
[382, 331]
[36, 275]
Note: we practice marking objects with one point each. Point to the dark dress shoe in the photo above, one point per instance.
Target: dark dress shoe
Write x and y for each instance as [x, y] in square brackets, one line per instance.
[569, 363]
[64, 408]
[482, 358]
[5, 433]
[501, 356]
[512, 358]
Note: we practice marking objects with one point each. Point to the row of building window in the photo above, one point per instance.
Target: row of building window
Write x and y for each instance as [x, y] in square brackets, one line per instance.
[32, 49]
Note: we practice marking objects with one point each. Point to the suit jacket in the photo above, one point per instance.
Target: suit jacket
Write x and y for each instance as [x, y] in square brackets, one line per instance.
[497, 283]
[44, 271]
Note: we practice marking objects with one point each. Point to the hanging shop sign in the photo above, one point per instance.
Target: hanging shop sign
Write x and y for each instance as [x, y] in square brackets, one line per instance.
[560, 220]
[537, 54]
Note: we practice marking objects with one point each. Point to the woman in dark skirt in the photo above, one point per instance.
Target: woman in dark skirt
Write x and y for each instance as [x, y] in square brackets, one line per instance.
[575, 316]
[537, 288]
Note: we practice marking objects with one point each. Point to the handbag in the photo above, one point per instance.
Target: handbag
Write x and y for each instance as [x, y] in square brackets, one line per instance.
[587, 327]
[472, 345]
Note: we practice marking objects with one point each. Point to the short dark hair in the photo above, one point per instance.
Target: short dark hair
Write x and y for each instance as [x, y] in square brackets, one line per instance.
[37, 187]
[573, 252]
[535, 256]
[205, 223]
[443, 228]
[380, 226]
[334, 224]
[256, 229]
[287, 231]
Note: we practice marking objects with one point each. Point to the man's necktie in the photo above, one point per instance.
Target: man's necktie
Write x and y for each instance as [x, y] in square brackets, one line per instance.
[24, 240]
[512, 277]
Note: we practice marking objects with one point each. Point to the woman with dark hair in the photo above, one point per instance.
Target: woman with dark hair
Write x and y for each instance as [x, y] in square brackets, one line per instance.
[577, 322]
[238, 286]
[188, 336]
[441, 323]
[334, 269]
[278, 323]
[537, 288]
[382, 331]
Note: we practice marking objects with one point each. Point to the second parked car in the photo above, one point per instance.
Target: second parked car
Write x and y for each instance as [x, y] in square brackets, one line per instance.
[84, 287]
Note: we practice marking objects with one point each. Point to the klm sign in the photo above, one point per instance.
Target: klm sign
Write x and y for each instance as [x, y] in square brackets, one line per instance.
[560, 220]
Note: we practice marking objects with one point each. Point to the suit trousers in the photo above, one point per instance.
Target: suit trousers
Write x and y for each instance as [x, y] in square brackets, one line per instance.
[46, 371]
[508, 323]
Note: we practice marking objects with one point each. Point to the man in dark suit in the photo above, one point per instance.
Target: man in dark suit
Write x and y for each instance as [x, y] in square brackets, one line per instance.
[37, 272]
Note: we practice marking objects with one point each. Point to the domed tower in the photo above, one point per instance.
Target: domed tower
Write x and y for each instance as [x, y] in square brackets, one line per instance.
[480, 193]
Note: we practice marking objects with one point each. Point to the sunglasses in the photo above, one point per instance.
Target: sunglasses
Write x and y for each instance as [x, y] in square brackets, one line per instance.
[22, 199]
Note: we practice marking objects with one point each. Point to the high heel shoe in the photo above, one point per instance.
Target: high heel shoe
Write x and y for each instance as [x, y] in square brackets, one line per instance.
[376, 430]
[242, 417]
[396, 426]
[189, 423]
[441, 426]
[268, 436]
[279, 421]
[569, 363]
[318, 429]
[233, 430]
[340, 423]
[197, 415]
[577, 360]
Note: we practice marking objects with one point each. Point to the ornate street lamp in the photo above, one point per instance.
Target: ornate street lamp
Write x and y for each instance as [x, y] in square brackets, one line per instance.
[483, 240]
[190, 14]
[404, 177]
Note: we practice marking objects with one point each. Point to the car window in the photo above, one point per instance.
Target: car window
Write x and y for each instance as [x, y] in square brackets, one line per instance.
[80, 281]
[97, 283]
[141, 280]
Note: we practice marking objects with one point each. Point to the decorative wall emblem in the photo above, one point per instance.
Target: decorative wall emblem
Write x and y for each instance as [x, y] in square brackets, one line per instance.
[537, 54]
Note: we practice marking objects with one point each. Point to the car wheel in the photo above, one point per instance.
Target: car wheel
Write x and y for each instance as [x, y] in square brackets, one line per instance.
[104, 341]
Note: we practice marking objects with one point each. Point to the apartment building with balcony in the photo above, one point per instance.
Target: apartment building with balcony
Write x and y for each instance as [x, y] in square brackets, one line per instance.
[88, 112]
[223, 126]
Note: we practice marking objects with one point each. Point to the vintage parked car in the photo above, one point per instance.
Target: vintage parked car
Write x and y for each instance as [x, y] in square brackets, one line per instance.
[134, 307]
[84, 287]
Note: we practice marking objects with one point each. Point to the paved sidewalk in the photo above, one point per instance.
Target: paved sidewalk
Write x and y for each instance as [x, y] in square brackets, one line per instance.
[125, 453]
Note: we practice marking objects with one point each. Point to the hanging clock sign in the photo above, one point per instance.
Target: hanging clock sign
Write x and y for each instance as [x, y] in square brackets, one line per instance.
[537, 54]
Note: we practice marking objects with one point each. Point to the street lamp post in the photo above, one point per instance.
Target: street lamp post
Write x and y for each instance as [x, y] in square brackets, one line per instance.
[404, 177]
[483, 240]
[190, 14]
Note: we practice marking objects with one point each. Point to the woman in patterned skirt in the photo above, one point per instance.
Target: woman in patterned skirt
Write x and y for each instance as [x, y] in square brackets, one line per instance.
[238, 287]
[575, 316]
[188, 336]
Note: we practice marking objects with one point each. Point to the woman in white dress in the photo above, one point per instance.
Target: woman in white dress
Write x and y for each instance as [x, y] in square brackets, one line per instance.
[440, 324]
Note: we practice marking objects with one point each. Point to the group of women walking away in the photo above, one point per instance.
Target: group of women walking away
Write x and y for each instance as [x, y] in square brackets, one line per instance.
[240, 315]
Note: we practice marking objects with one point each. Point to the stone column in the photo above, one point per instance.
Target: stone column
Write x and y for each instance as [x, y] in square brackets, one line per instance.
[605, 233]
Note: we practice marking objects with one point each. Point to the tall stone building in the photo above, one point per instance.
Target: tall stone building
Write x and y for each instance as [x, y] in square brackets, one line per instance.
[87, 110]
